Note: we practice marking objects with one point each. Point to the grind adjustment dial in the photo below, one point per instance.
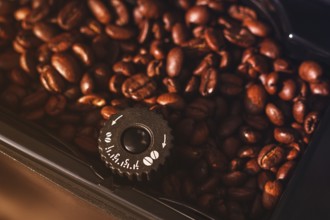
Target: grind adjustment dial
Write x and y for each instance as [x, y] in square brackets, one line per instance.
[134, 142]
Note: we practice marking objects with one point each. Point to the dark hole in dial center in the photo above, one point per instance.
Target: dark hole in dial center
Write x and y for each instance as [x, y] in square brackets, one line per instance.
[135, 139]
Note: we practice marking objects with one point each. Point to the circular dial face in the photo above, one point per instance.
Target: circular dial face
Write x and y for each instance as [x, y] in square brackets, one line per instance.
[135, 141]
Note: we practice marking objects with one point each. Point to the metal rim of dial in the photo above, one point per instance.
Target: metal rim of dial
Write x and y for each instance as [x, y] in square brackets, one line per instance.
[119, 159]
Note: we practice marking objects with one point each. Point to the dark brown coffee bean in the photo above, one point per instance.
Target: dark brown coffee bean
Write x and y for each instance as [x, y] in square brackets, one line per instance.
[269, 48]
[285, 170]
[174, 62]
[38, 12]
[288, 91]
[155, 68]
[210, 184]
[92, 100]
[87, 144]
[192, 85]
[275, 114]
[293, 154]
[252, 167]
[17, 76]
[157, 49]
[310, 71]
[258, 28]
[236, 178]
[172, 85]
[208, 61]
[122, 12]
[215, 158]
[263, 178]
[321, 88]
[34, 100]
[200, 133]
[282, 65]
[120, 33]
[91, 28]
[241, 12]
[248, 152]
[311, 121]
[52, 80]
[171, 100]
[271, 194]
[124, 68]
[199, 15]
[61, 42]
[138, 87]
[107, 111]
[214, 39]
[230, 84]
[284, 135]
[71, 15]
[84, 53]
[190, 153]
[230, 146]
[257, 65]
[44, 31]
[200, 109]
[87, 84]
[271, 83]
[151, 8]
[259, 122]
[145, 31]
[239, 36]
[115, 83]
[241, 194]
[67, 66]
[55, 105]
[255, 99]
[209, 81]
[28, 62]
[229, 126]
[270, 156]
[180, 33]
[100, 11]
[249, 136]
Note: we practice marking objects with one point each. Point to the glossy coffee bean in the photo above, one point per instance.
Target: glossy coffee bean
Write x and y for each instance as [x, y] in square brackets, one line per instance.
[209, 80]
[288, 91]
[71, 15]
[256, 27]
[67, 66]
[241, 13]
[199, 15]
[270, 156]
[269, 48]
[214, 39]
[174, 62]
[100, 11]
[255, 99]
[239, 36]
[311, 122]
[275, 114]
[285, 170]
[138, 87]
[310, 71]
[271, 194]
[284, 135]
[171, 100]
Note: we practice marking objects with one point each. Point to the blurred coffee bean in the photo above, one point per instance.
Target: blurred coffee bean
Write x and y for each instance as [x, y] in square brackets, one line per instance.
[84, 53]
[214, 39]
[236, 178]
[269, 48]
[55, 105]
[321, 88]
[120, 33]
[87, 84]
[100, 11]
[174, 62]
[311, 122]
[285, 170]
[199, 15]
[256, 27]
[67, 66]
[71, 15]
[229, 126]
[239, 36]
[241, 12]
[271, 194]
[208, 82]
[171, 100]
[310, 71]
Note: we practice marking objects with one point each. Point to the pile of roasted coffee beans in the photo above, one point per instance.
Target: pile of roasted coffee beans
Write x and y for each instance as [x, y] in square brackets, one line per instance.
[241, 111]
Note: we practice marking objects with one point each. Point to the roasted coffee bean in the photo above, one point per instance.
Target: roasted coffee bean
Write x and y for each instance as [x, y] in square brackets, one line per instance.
[230, 146]
[44, 31]
[171, 100]
[192, 85]
[155, 68]
[284, 135]
[100, 11]
[174, 62]
[71, 15]
[241, 194]
[87, 84]
[215, 158]
[271, 194]
[255, 98]
[239, 36]
[256, 27]
[208, 83]
[200, 109]
[34, 100]
[285, 170]
[259, 122]
[214, 39]
[172, 85]
[91, 28]
[107, 111]
[138, 87]
[92, 100]
[248, 152]
[272, 83]
[67, 66]
[263, 178]
[288, 91]
[84, 53]
[229, 126]
[120, 33]
[270, 156]
[274, 114]
[52, 80]
[115, 83]
[230, 84]
[282, 65]
[236, 178]
[252, 167]
[151, 8]
[61, 42]
[55, 105]
[241, 13]
[310, 71]
[208, 61]
[180, 33]
[249, 136]
[124, 68]
[28, 62]
[321, 88]
[311, 122]
[210, 184]
[122, 12]
[17, 76]
[269, 48]
[199, 15]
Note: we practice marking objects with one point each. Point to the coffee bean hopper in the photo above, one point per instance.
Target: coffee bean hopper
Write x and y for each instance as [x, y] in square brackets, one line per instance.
[135, 143]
